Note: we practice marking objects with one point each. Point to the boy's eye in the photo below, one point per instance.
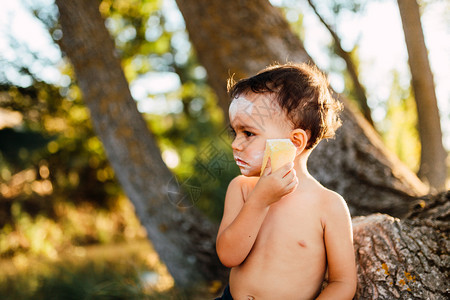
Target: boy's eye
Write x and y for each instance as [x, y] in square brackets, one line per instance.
[248, 133]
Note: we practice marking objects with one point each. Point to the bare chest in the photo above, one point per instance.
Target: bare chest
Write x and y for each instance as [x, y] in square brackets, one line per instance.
[292, 224]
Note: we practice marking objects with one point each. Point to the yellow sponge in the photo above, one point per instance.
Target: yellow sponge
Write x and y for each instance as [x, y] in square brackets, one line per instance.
[280, 151]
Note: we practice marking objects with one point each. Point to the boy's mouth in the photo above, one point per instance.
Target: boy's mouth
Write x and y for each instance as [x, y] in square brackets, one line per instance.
[240, 162]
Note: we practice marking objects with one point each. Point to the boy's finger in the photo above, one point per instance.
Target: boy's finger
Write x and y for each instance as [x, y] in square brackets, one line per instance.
[292, 185]
[286, 168]
[290, 175]
[268, 168]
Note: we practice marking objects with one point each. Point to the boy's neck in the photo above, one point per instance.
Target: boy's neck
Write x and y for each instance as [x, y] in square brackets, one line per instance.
[300, 165]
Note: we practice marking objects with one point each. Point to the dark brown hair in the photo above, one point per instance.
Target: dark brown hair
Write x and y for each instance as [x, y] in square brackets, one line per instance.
[302, 91]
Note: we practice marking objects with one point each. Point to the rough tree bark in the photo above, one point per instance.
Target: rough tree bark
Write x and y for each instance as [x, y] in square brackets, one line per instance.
[182, 237]
[405, 259]
[433, 167]
[241, 37]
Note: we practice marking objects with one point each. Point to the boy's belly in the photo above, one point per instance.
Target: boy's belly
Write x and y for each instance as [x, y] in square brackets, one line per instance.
[280, 268]
[287, 279]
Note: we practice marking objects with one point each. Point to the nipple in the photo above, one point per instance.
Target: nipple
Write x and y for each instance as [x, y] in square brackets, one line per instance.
[302, 243]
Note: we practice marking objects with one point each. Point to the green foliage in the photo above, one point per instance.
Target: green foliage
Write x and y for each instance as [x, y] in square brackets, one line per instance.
[55, 145]
[56, 187]
[294, 15]
[53, 169]
[399, 128]
[69, 226]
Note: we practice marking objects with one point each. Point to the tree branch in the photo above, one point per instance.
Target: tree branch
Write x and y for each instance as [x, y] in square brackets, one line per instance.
[351, 68]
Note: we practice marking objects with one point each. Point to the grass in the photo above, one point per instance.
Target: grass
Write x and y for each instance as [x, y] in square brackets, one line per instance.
[97, 272]
[84, 252]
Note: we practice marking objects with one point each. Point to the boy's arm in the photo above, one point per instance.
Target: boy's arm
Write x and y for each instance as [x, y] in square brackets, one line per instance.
[242, 219]
[240, 225]
[338, 239]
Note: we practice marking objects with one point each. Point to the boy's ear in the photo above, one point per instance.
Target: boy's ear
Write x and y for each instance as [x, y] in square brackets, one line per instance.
[299, 138]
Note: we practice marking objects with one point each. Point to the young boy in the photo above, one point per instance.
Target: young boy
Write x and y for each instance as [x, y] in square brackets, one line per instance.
[283, 230]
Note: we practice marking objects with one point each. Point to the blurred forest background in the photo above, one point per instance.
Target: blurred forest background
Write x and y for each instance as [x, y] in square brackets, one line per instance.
[67, 227]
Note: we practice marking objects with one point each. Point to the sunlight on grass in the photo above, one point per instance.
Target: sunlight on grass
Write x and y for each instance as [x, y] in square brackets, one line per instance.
[81, 252]
[84, 252]
[113, 271]
[74, 226]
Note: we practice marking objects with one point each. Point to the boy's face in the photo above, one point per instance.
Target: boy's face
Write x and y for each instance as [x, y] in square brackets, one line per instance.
[254, 118]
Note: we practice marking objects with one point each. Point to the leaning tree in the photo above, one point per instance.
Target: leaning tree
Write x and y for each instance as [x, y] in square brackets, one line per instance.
[183, 238]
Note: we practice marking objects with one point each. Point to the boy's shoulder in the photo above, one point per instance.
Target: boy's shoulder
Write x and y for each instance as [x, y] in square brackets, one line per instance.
[330, 196]
[328, 200]
[242, 180]
[332, 204]
[243, 183]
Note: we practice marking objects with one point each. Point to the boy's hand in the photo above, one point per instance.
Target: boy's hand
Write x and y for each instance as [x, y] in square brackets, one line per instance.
[272, 186]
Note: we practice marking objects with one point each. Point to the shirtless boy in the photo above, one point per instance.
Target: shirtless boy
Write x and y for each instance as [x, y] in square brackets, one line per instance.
[283, 230]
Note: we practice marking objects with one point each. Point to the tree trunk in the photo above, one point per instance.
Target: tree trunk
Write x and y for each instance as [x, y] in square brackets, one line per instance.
[241, 37]
[183, 239]
[433, 167]
[404, 259]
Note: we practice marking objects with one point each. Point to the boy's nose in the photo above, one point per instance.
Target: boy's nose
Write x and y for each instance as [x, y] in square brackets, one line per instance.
[237, 144]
